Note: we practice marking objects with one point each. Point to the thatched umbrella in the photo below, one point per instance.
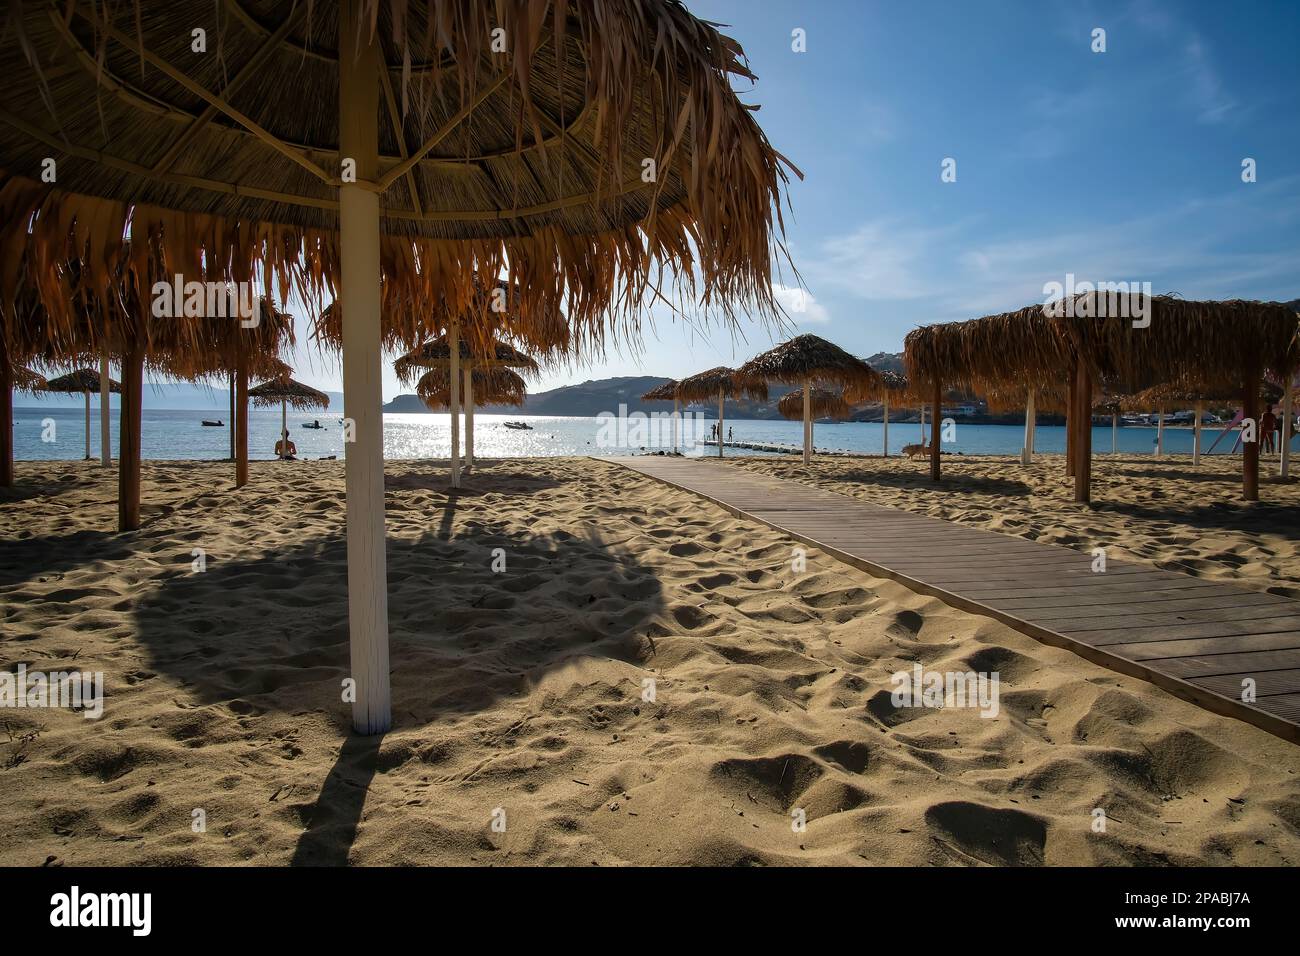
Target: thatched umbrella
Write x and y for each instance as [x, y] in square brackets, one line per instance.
[25, 380]
[287, 391]
[804, 360]
[496, 385]
[468, 355]
[602, 149]
[83, 380]
[823, 403]
[890, 386]
[720, 383]
[667, 392]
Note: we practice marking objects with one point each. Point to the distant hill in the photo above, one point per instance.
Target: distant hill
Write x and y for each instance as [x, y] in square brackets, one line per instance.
[180, 396]
[887, 362]
[592, 397]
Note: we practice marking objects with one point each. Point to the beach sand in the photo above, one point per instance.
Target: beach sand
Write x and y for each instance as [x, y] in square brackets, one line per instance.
[518, 693]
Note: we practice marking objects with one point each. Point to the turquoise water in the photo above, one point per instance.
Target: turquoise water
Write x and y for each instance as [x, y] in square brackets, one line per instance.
[179, 435]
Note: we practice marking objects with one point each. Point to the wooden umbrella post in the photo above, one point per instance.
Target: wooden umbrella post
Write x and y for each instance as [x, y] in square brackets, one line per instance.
[469, 416]
[363, 396]
[885, 405]
[7, 414]
[284, 422]
[1083, 435]
[934, 430]
[1071, 423]
[1288, 414]
[807, 422]
[128, 471]
[722, 417]
[922, 407]
[105, 432]
[1114, 433]
[241, 418]
[677, 418]
[1027, 451]
[232, 416]
[453, 339]
[1250, 449]
[1196, 436]
[87, 394]
[1160, 431]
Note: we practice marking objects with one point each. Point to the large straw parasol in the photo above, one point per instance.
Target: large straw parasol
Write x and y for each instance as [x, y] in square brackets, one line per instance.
[287, 391]
[85, 381]
[804, 360]
[889, 387]
[461, 361]
[667, 392]
[25, 380]
[584, 150]
[825, 404]
[720, 383]
[494, 385]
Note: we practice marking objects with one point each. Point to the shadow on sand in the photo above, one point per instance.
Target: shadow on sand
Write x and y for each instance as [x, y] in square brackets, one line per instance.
[270, 634]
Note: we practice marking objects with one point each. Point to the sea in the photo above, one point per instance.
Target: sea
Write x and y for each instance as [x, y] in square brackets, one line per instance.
[59, 433]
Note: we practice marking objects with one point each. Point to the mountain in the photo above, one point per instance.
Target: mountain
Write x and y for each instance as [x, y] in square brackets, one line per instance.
[887, 362]
[181, 396]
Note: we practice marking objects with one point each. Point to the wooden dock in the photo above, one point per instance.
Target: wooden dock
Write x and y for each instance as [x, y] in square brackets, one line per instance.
[1197, 639]
[774, 448]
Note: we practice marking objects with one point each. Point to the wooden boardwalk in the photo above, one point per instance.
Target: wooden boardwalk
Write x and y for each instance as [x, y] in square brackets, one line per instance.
[1196, 639]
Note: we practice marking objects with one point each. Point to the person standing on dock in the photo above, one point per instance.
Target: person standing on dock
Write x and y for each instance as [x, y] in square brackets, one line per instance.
[728, 434]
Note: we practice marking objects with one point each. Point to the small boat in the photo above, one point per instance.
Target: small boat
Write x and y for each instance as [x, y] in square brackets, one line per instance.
[522, 426]
[209, 423]
[312, 425]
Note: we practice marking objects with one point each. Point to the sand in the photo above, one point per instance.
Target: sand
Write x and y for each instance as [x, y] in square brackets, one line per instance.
[518, 694]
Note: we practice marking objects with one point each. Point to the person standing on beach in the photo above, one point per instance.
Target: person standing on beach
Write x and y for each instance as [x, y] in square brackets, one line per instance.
[1267, 426]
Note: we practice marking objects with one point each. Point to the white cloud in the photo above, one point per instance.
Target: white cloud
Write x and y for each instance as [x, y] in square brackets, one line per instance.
[801, 305]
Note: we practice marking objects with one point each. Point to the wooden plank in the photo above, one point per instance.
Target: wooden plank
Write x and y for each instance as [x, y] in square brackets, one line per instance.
[1267, 683]
[1190, 636]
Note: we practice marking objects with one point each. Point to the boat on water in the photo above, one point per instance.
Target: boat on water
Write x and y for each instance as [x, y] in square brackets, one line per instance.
[521, 426]
[312, 425]
[210, 423]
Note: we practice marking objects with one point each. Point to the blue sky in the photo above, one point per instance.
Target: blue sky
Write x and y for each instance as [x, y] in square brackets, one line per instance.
[1122, 165]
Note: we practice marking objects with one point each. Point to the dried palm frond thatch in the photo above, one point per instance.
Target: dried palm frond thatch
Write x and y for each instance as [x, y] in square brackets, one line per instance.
[81, 380]
[811, 358]
[288, 391]
[890, 385]
[728, 382]
[667, 392]
[437, 354]
[1021, 348]
[25, 380]
[492, 386]
[824, 404]
[527, 162]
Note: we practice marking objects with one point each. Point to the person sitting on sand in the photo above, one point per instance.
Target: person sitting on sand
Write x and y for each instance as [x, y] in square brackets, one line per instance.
[285, 449]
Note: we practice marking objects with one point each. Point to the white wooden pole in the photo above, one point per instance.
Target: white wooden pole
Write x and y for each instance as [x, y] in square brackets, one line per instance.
[1160, 431]
[885, 403]
[922, 424]
[677, 417]
[284, 422]
[1027, 449]
[453, 339]
[469, 415]
[722, 418]
[362, 381]
[1196, 436]
[105, 431]
[807, 422]
[1114, 433]
[1032, 422]
[87, 424]
[1288, 413]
